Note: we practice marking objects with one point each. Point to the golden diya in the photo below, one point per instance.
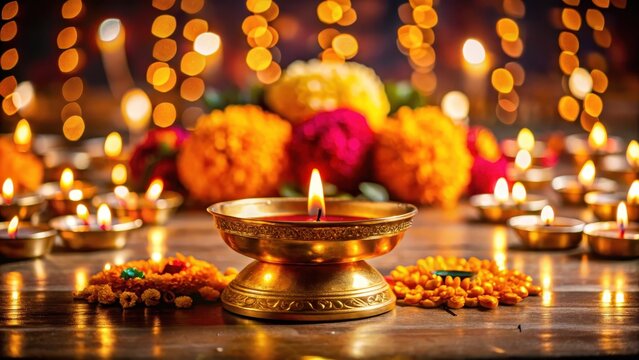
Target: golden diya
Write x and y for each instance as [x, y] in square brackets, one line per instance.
[85, 232]
[622, 168]
[526, 141]
[104, 154]
[533, 177]
[155, 206]
[618, 239]
[64, 196]
[20, 240]
[604, 205]
[547, 232]
[573, 188]
[501, 206]
[594, 146]
[22, 205]
[310, 255]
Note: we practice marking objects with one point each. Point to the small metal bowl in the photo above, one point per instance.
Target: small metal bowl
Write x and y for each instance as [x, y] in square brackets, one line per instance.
[564, 233]
[37, 242]
[22, 206]
[77, 236]
[603, 240]
[62, 205]
[577, 147]
[156, 212]
[616, 167]
[604, 205]
[492, 211]
[535, 178]
[572, 193]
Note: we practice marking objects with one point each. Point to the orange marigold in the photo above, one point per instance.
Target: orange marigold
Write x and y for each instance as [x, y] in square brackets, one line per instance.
[421, 157]
[183, 302]
[24, 168]
[235, 153]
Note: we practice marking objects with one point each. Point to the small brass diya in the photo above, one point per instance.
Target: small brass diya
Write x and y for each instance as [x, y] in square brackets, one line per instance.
[64, 197]
[604, 205]
[310, 270]
[539, 152]
[534, 178]
[605, 239]
[596, 146]
[22, 205]
[27, 241]
[501, 206]
[547, 232]
[572, 192]
[155, 210]
[91, 233]
[617, 167]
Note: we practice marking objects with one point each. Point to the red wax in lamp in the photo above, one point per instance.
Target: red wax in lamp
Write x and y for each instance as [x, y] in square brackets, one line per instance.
[316, 207]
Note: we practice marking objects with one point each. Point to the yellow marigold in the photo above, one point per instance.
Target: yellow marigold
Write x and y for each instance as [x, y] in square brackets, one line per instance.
[183, 302]
[128, 299]
[421, 157]
[307, 88]
[24, 168]
[235, 153]
[106, 295]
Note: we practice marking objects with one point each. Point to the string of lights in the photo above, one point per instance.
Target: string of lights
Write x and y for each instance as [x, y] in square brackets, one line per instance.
[9, 59]
[337, 46]
[262, 38]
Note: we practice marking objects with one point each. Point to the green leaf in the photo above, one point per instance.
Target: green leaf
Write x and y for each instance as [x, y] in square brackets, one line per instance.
[373, 191]
[290, 190]
[330, 189]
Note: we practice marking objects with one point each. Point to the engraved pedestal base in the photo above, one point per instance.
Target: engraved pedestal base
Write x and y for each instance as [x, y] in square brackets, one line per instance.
[308, 292]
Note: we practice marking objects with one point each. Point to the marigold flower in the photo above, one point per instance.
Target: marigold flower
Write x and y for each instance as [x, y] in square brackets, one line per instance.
[183, 302]
[106, 295]
[208, 293]
[235, 153]
[151, 297]
[128, 299]
[307, 88]
[421, 157]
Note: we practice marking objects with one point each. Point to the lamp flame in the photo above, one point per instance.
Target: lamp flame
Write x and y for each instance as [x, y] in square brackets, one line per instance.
[12, 229]
[632, 154]
[501, 190]
[121, 192]
[83, 213]
[547, 215]
[598, 137]
[104, 217]
[633, 193]
[154, 190]
[119, 174]
[526, 139]
[622, 218]
[113, 145]
[523, 160]
[587, 173]
[316, 195]
[66, 180]
[76, 195]
[7, 191]
[22, 135]
[519, 193]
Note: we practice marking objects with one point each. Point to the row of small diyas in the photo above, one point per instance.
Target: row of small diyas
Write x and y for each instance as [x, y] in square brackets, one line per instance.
[70, 200]
[618, 239]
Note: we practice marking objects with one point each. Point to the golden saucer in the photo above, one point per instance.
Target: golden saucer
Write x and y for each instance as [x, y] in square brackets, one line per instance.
[38, 243]
[564, 233]
[616, 167]
[156, 212]
[604, 205]
[61, 204]
[493, 211]
[310, 271]
[77, 236]
[22, 206]
[603, 240]
[572, 193]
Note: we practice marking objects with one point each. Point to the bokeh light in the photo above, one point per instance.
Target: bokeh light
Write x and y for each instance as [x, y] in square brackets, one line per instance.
[474, 52]
[192, 63]
[593, 105]
[67, 37]
[345, 45]
[164, 114]
[207, 43]
[193, 28]
[136, 109]
[258, 58]
[192, 89]
[580, 83]
[163, 26]
[73, 128]
[502, 80]
[455, 105]
[568, 108]
[507, 29]
[164, 49]
[109, 29]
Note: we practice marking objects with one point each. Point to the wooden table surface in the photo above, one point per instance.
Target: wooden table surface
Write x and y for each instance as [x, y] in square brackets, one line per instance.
[590, 306]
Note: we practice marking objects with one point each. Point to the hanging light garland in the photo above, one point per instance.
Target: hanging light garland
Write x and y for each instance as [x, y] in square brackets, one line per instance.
[583, 87]
[9, 58]
[70, 62]
[263, 56]
[337, 46]
[506, 79]
[415, 39]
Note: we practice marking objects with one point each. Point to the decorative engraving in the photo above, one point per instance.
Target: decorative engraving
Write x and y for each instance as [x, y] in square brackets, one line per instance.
[238, 299]
[286, 232]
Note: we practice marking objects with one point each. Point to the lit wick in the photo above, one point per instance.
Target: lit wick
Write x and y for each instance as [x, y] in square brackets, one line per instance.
[319, 214]
[622, 219]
